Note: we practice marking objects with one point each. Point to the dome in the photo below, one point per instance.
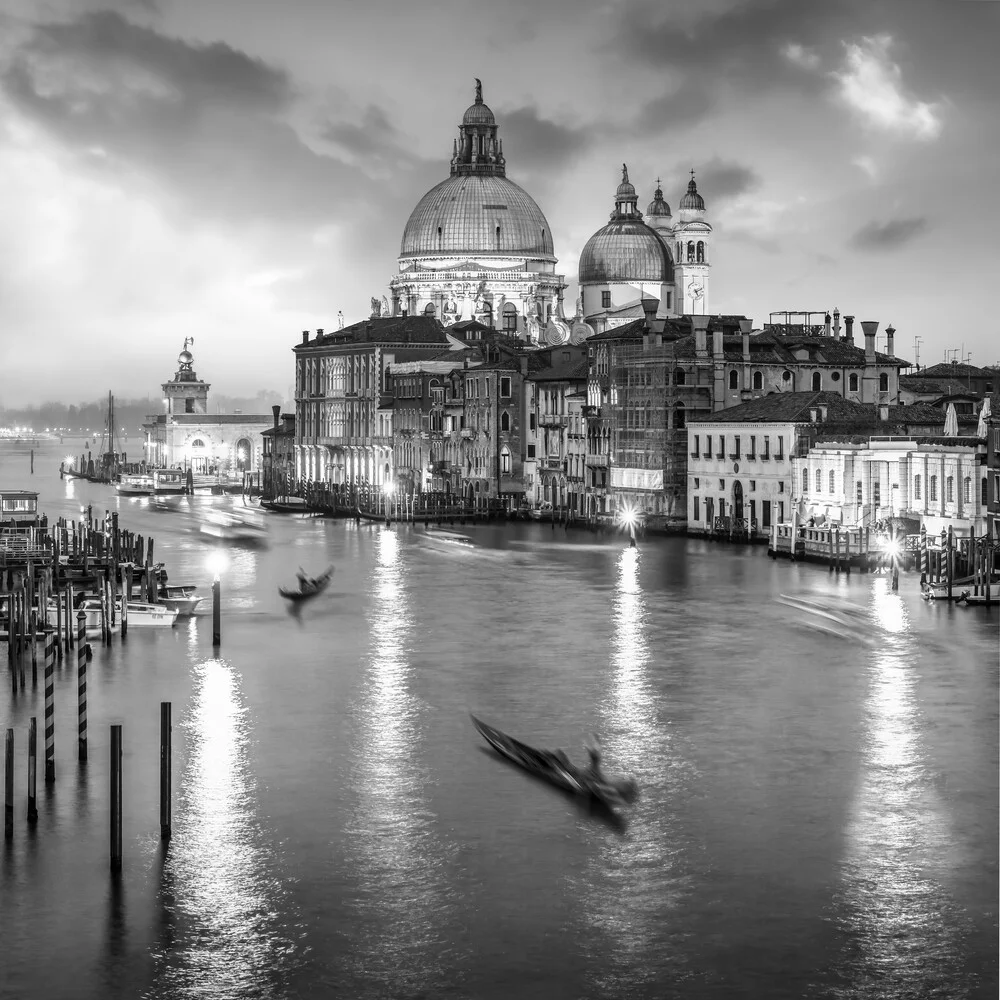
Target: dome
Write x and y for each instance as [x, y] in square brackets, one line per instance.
[461, 215]
[658, 207]
[478, 114]
[625, 250]
[692, 200]
[185, 358]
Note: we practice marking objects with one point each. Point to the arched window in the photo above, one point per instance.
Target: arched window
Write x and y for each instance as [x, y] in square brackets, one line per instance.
[691, 251]
[817, 381]
[510, 318]
[833, 481]
[883, 382]
[949, 489]
[758, 380]
[967, 490]
[680, 417]
[430, 309]
[805, 480]
[916, 487]
[852, 382]
[701, 252]
[932, 489]
[734, 379]
[505, 421]
[819, 481]
[678, 376]
[680, 251]
[487, 313]
[505, 461]
[498, 237]
[197, 443]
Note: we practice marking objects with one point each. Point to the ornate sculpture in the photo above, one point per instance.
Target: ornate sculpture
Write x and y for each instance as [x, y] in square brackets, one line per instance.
[386, 311]
[624, 174]
[376, 308]
[340, 319]
[533, 327]
[479, 91]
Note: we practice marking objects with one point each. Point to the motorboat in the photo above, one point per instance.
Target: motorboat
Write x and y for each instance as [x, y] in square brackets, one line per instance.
[232, 528]
[308, 588]
[555, 767]
[135, 485]
[182, 597]
[169, 481]
[286, 505]
[140, 615]
[447, 536]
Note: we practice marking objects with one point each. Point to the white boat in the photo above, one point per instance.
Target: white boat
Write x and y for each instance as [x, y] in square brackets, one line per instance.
[135, 485]
[959, 585]
[140, 615]
[169, 481]
[229, 527]
[182, 597]
[446, 536]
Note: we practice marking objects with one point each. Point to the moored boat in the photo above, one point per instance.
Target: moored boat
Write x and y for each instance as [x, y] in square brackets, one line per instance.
[168, 482]
[135, 485]
[140, 615]
[556, 768]
[182, 598]
[286, 505]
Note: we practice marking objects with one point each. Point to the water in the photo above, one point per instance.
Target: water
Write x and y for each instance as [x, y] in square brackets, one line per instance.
[818, 814]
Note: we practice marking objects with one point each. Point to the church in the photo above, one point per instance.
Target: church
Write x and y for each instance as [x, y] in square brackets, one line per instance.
[478, 247]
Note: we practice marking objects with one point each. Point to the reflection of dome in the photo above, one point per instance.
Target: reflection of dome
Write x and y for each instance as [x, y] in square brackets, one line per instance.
[625, 251]
[692, 200]
[466, 214]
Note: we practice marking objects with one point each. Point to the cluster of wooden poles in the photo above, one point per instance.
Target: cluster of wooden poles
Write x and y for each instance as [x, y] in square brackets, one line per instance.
[114, 772]
[958, 558]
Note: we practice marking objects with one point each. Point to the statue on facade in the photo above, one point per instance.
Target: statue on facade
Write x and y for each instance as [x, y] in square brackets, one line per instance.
[340, 319]
[533, 326]
[450, 310]
[376, 308]
[386, 311]
[479, 91]
[579, 307]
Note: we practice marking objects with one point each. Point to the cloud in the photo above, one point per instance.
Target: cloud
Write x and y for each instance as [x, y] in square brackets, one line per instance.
[871, 84]
[801, 56]
[888, 235]
[721, 180]
[537, 143]
[866, 164]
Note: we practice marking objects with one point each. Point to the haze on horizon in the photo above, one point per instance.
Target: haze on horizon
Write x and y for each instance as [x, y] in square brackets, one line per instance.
[174, 169]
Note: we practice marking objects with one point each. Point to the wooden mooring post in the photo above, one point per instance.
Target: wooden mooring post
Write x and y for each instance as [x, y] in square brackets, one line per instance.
[116, 799]
[166, 746]
[8, 786]
[33, 771]
[50, 725]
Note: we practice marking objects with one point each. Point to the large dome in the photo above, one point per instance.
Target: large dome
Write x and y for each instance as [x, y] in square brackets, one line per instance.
[627, 251]
[468, 215]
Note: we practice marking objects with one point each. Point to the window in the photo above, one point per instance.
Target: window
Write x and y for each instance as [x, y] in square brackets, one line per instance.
[695, 452]
[531, 421]
[949, 489]
[721, 453]
[197, 443]
[817, 381]
[985, 497]
[189, 406]
[932, 489]
[510, 318]
[859, 492]
[805, 480]
[669, 297]
[786, 376]
[605, 300]
[781, 486]
[722, 484]
[531, 451]
[734, 379]
[708, 446]
[697, 482]
[505, 421]
[700, 252]
[819, 481]
[696, 510]
[758, 381]
[678, 376]
[852, 382]
[967, 490]
[883, 382]
[752, 454]
[780, 456]
[753, 485]
[916, 487]
[833, 481]
[736, 447]
[767, 449]
[679, 416]
[690, 253]
[835, 376]
[766, 511]
[722, 508]
[504, 461]
[505, 387]
[781, 510]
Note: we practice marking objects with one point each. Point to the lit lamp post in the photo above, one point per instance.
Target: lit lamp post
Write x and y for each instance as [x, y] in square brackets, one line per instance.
[216, 563]
[628, 519]
[387, 490]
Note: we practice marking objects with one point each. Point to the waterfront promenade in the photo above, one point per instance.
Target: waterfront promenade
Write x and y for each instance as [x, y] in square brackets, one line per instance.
[818, 814]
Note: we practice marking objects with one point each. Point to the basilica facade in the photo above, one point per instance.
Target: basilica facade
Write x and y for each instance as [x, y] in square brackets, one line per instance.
[477, 246]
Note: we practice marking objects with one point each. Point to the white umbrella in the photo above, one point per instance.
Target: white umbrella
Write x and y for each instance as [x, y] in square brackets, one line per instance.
[984, 416]
[951, 421]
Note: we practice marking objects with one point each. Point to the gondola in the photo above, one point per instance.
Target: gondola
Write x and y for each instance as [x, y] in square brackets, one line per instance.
[556, 768]
[315, 586]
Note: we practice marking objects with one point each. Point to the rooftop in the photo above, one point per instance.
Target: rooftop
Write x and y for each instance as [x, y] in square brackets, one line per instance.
[384, 330]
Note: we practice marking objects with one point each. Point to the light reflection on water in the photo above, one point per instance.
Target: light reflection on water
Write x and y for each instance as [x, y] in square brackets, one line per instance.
[221, 934]
[902, 923]
[401, 903]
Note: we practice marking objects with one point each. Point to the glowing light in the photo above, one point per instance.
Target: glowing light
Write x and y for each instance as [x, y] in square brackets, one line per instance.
[216, 563]
[388, 488]
[892, 548]
[70, 460]
[628, 517]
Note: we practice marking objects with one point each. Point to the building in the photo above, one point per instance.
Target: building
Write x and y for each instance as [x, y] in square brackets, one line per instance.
[992, 422]
[477, 246]
[278, 455]
[956, 377]
[187, 436]
[740, 463]
[342, 433]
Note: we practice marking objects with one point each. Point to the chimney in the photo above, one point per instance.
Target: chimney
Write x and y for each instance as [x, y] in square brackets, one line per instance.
[849, 329]
[305, 336]
[319, 332]
[717, 345]
[826, 327]
[657, 340]
[871, 328]
[700, 324]
[746, 326]
[836, 323]
[276, 410]
[890, 332]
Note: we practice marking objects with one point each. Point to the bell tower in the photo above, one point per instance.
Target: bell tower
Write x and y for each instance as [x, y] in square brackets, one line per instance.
[692, 242]
[185, 392]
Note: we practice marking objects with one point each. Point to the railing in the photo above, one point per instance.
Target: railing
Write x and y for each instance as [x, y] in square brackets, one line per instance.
[552, 419]
[597, 461]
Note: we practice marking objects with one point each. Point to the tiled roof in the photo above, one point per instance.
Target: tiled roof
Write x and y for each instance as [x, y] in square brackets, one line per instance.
[384, 330]
[567, 372]
[953, 370]
[630, 331]
[787, 407]
[931, 386]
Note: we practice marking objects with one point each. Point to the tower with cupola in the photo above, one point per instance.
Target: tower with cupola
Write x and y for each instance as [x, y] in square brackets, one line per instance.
[185, 392]
[692, 245]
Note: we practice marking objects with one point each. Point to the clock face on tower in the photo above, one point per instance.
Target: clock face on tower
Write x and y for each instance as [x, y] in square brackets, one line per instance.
[696, 290]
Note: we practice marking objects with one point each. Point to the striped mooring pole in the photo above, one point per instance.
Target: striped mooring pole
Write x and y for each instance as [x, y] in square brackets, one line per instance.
[81, 684]
[50, 724]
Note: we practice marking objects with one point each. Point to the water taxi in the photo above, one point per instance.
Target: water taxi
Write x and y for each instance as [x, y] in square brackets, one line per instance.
[135, 485]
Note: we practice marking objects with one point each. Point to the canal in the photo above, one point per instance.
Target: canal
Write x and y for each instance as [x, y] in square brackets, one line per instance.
[818, 809]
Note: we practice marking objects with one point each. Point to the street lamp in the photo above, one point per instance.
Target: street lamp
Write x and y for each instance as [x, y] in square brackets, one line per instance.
[217, 563]
[628, 519]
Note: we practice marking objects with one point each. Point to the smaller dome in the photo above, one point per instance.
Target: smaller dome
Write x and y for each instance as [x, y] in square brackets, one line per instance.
[625, 250]
[692, 200]
[658, 206]
[626, 190]
[478, 114]
[185, 358]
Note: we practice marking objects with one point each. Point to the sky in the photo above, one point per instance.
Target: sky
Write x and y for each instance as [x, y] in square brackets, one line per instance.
[237, 171]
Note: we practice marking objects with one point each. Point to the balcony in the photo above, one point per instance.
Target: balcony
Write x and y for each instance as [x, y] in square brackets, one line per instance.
[550, 464]
[551, 419]
[597, 461]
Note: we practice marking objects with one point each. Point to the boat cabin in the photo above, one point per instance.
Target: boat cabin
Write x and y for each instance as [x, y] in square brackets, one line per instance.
[18, 509]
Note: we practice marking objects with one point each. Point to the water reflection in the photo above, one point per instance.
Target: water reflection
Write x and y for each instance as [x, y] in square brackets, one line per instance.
[902, 923]
[220, 889]
[399, 861]
[632, 886]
